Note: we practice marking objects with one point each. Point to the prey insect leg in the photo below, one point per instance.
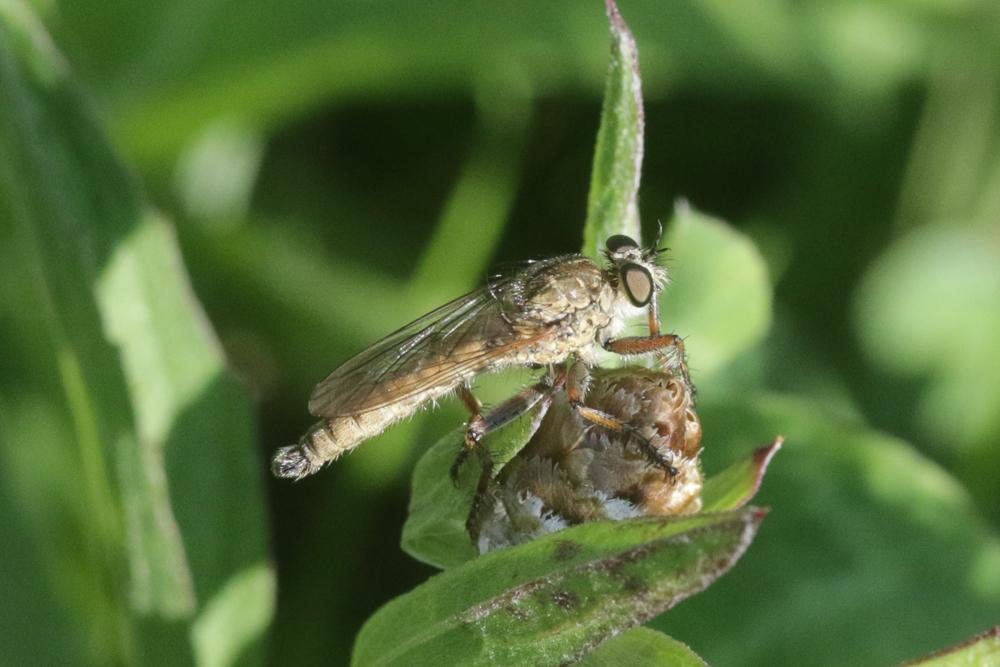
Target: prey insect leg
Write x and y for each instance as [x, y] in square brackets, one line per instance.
[574, 390]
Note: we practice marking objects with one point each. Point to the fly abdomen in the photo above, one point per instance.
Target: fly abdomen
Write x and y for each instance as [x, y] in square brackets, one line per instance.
[315, 448]
[326, 441]
[330, 438]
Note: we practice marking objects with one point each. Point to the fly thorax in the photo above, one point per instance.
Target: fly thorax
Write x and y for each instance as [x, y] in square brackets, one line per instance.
[568, 289]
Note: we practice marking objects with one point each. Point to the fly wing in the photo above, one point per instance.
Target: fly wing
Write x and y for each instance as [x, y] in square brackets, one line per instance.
[442, 348]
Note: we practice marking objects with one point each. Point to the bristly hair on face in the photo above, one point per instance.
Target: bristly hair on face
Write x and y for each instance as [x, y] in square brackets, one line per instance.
[648, 254]
[653, 254]
[651, 257]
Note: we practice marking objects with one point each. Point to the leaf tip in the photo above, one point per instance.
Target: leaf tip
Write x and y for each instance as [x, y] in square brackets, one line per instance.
[619, 28]
[761, 458]
[613, 14]
[682, 207]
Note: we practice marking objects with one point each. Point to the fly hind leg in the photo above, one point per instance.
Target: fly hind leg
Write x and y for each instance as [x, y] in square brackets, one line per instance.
[475, 429]
[479, 424]
[482, 424]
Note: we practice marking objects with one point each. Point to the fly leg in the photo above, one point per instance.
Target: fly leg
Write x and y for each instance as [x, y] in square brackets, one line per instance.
[481, 424]
[473, 429]
[632, 345]
[575, 380]
[655, 342]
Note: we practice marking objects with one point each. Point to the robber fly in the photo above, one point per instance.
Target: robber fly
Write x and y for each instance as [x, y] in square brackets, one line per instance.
[558, 312]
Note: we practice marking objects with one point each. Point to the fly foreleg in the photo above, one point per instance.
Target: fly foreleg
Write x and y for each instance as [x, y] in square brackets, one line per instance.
[635, 345]
[644, 344]
[575, 381]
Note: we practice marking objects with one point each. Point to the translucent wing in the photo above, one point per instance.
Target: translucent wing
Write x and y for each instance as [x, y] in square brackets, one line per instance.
[443, 348]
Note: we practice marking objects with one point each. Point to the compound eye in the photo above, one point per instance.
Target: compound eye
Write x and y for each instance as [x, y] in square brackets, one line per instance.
[638, 284]
[619, 241]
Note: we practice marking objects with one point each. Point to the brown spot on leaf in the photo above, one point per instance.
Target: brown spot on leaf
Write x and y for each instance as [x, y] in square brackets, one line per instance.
[615, 567]
[515, 611]
[565, 550]
[565, 600]
[634, 584]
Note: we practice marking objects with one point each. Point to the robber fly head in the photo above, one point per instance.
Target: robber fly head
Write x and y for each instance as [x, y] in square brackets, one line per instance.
[634, 270]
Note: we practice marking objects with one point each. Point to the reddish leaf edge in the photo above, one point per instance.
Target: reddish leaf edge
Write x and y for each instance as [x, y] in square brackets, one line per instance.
[762, 459]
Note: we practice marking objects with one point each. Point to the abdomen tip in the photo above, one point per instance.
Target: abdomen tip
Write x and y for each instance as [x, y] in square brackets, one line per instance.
[291, 463]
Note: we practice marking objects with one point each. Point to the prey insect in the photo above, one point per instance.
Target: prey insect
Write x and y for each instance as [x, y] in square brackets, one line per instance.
[569, 473]
[559, 312]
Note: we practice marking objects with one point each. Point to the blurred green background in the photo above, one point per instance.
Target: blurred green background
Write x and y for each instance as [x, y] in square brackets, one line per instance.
[334, 169]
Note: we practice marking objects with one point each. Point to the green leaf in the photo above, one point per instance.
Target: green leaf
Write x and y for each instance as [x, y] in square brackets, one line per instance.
[983, 650]
[958, 271]
[434, 531]
[928, 312]
[36, 626]
[642, 647]
[735, 486]
[612, 206]
[867, 533]
[554, 599]
[720, 296]
[160, 437]
[235, 617]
